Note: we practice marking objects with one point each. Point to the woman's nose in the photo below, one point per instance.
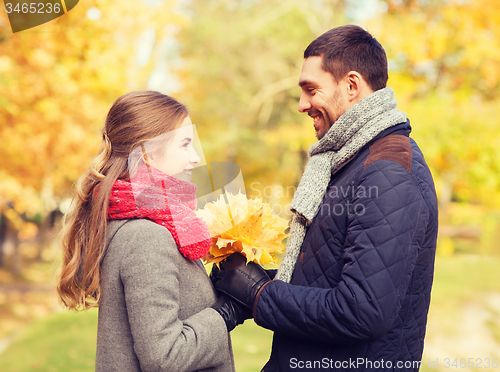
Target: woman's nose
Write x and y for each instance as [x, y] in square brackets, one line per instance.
[193, 157]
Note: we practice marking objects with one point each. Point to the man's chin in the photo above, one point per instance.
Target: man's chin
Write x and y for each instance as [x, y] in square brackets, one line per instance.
[320, 134]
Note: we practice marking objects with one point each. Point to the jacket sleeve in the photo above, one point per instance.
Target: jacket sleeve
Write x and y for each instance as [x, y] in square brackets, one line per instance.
[381, 246]
[162, 341]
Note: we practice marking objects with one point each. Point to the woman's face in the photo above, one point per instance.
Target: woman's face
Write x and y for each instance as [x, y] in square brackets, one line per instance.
[179, 156]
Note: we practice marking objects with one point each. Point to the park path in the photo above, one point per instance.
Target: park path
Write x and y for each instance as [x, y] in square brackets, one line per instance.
[26, 303]
[475, 335]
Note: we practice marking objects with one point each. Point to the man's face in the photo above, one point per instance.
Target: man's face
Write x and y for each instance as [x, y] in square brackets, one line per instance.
[322, 98]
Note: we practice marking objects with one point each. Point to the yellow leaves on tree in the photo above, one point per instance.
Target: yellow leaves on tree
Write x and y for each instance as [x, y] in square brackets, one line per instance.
[58, 82]
[249, 226]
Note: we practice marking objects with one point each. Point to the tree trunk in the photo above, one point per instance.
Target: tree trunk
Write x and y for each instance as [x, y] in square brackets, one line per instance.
[16, 257]
[3, 231]
[43, 234]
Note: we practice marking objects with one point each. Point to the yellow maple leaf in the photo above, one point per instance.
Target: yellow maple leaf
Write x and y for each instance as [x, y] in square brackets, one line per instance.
[249, 226]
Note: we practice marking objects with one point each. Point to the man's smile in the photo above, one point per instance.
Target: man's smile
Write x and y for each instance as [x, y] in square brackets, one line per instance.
[316, 116]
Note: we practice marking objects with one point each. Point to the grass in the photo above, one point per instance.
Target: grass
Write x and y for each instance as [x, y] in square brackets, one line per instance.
[465, 277]
[251, 346]
[62, 342]
[458, 280]
[65, 342]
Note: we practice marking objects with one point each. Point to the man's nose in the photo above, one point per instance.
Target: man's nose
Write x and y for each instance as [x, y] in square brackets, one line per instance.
[304, 103]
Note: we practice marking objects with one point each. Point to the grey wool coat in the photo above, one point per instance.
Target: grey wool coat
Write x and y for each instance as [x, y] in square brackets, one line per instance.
[155, 313]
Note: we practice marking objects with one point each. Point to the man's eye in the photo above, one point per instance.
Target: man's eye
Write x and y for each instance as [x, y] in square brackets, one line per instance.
[311, 90]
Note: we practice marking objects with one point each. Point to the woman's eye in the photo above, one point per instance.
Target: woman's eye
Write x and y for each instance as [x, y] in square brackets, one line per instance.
[186, 144]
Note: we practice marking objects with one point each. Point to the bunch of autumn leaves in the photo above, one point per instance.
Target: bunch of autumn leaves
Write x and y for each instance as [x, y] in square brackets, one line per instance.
[248, 226]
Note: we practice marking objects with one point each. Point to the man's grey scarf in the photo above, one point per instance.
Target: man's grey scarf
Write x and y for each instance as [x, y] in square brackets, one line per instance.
[354, 129]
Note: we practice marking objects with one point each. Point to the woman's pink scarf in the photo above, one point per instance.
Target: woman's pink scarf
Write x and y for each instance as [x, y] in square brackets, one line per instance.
[163, 199]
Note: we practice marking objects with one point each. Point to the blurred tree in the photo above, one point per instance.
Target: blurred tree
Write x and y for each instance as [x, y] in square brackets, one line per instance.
[444, 59]
[57, 82]
[243, 58]
[242, 64]
[238, 72]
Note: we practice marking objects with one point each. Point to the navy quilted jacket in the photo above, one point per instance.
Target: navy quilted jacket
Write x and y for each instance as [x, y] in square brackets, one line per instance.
[359, 295]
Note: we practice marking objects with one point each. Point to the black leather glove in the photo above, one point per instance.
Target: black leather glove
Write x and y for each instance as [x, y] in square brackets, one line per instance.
[213, 274]
[232, 312]
[240, 280]
[271, 273]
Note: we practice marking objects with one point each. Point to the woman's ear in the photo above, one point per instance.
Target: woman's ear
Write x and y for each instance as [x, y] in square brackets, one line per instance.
[144, 157]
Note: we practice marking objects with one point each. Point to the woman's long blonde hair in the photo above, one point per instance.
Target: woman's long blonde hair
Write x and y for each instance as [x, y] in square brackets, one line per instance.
[134, 119]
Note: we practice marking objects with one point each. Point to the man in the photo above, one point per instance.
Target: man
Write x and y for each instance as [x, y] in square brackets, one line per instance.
[353, 290]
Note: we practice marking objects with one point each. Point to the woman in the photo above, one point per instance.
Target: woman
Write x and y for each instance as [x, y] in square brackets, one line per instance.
[132, 245]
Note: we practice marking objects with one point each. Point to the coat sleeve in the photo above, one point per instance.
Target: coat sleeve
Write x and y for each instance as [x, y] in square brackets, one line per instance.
[380, 252]
[162, 341]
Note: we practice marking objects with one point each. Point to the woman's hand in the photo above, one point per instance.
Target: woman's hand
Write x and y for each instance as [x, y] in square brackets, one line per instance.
[232, 312]
[239, 280]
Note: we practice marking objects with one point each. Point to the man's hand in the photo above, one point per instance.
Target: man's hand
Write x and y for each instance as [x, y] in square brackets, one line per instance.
[240, 280]
[271, 273]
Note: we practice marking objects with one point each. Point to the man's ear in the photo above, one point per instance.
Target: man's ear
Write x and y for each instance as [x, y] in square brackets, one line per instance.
[353, 80]
[357, 88]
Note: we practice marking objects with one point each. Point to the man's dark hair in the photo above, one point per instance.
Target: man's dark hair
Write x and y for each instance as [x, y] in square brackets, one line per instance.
[351, 48]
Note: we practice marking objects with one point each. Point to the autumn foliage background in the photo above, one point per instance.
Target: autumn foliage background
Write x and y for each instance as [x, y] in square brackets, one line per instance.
[235, 63]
